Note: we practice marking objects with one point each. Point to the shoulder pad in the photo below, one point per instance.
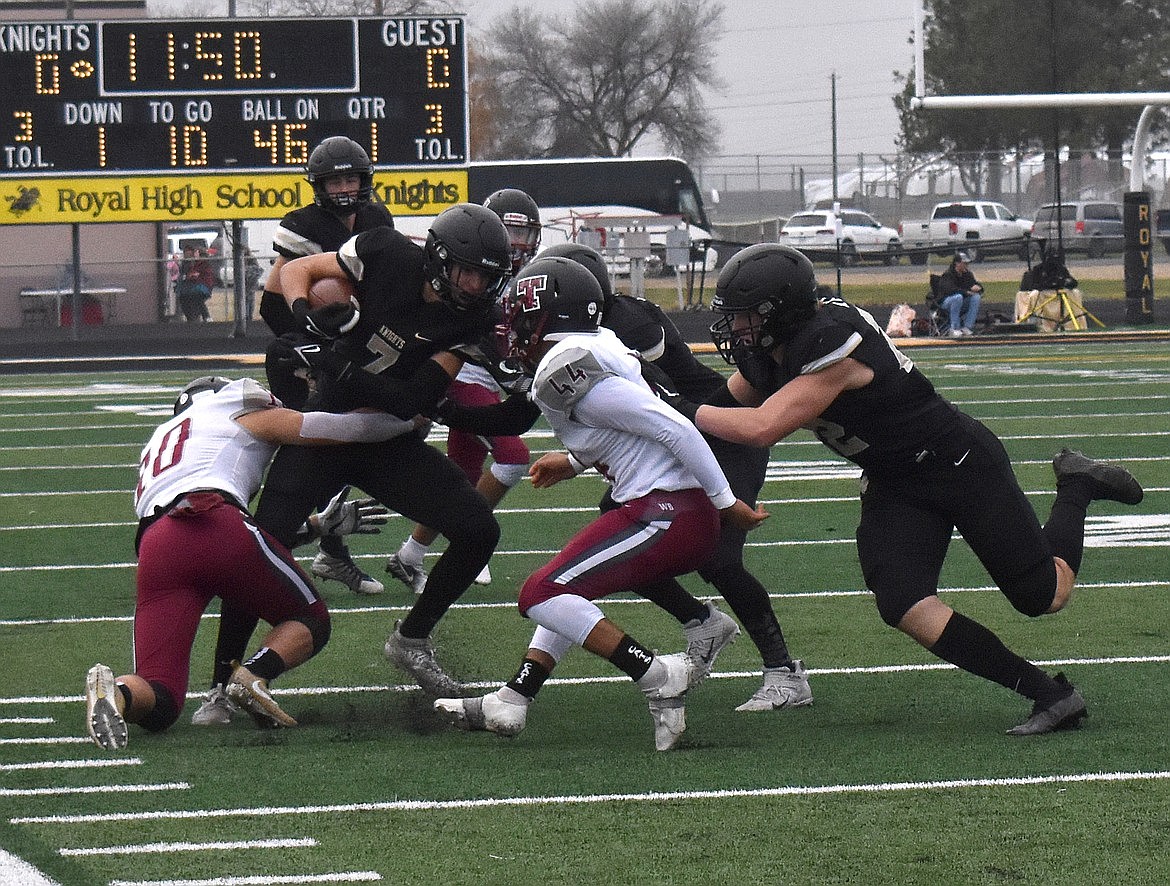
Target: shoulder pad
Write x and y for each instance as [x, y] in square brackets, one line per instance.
[566, 376]
[252, 397]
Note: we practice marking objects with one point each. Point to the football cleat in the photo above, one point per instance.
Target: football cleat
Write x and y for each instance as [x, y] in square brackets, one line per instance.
[346, 571]
[103, 714]
[784, 687]
[1112, 482]
[251, 693]
[670, 721]
[670, 676]
[217, 709]
[707, 638]
[485, 713]
[414, 577]
[1064, 713]
[484, 577]
[416, 656]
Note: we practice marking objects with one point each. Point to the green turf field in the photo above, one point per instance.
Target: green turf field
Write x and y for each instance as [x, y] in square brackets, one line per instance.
[899, 773]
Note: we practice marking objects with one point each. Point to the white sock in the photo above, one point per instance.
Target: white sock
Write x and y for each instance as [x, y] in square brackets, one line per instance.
[654, 677]
[511, 696]
[411, 553]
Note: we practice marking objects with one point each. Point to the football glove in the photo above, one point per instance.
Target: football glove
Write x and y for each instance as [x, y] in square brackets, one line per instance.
[362, 516]
[329, 321]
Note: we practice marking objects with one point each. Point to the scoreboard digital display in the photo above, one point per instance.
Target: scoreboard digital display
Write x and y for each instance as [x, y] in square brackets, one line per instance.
[229, 95]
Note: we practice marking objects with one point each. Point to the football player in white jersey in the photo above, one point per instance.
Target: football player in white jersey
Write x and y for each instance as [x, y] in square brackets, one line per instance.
[196, 540]
[670, 491]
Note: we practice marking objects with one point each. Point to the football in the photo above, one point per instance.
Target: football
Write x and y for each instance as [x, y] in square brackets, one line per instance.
[330, 291]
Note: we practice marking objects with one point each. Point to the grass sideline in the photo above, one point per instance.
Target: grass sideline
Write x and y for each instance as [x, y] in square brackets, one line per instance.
[898, 773]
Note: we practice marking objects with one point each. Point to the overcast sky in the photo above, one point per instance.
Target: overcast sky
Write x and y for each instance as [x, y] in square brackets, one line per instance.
[777, 58]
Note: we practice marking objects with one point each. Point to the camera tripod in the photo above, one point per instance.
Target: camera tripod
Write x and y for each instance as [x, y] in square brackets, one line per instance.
[1067, 310]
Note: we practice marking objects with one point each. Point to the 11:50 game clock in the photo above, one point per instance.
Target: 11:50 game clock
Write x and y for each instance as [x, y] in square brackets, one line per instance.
[224, 95]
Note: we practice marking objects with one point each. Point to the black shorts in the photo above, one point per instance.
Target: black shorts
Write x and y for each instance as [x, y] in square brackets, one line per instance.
[908, 516]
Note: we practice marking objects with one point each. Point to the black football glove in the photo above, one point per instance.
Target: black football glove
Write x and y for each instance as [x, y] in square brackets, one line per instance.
[329, 321]
[295, 353]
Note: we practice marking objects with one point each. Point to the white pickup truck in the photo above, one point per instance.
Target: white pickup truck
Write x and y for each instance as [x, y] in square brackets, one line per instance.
[978, 227]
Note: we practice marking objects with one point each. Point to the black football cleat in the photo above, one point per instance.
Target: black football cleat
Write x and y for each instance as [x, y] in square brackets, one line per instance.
[1064, 713]
[1111, 482]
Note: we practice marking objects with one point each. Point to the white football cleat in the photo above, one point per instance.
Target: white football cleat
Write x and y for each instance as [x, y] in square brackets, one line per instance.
[484, 713]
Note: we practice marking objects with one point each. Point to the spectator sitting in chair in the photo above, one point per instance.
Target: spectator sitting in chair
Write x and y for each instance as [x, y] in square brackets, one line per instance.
[961, 295]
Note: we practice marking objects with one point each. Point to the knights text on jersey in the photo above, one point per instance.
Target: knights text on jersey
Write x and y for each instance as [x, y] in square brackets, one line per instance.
[398, 330]
[204, 447]
[311, 229]
[889, 421]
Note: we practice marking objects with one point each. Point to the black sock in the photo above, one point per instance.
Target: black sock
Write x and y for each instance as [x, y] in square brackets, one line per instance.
[266, 664]
[222, 672]
[749, 601]
[1065, 529]
[972, 647]
[529, 678]
[632, 657]
[334, 546]
[125, 695]
[668, 594]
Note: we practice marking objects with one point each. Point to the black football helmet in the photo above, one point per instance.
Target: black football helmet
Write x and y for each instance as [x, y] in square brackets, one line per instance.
[521, 216]
[335, 156]
[592, 261]
[205, 384]
[776, 285]
[473, 237]
[551, 298]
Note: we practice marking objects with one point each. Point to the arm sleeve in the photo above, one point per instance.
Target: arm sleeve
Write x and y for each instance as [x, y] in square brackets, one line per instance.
[510, 418]
[353, 427]
[625, 406]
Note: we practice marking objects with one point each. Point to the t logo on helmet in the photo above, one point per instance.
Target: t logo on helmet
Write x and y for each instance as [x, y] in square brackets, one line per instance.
[528, 290]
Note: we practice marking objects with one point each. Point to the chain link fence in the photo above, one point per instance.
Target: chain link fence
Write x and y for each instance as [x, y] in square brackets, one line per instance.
[749, 196]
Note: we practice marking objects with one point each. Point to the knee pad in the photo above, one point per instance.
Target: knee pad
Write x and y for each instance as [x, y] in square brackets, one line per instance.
[1032, 592]
[165, 711]
[509, 474]
[319, 628]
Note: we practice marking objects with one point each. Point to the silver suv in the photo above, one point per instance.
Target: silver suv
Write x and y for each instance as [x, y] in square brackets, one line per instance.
[1090, 226]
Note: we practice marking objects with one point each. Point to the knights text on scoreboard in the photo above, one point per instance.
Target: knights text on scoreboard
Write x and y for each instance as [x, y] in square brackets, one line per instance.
[227, 95]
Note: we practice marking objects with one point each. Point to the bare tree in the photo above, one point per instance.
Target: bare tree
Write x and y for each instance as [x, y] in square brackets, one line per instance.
[598, 83]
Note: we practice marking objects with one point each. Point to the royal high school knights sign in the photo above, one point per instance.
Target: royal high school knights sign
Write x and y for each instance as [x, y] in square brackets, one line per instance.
[126, 121]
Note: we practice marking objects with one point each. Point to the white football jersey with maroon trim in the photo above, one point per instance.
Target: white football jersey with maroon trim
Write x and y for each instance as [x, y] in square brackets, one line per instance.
[590, 389]
[203, 447]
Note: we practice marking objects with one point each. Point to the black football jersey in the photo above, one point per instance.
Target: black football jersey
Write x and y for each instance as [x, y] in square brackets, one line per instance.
[885, 424]
[642, 326]
[311, 229]
[398, 330]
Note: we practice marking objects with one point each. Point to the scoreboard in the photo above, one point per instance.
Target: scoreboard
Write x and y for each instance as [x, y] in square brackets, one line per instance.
[229, 95]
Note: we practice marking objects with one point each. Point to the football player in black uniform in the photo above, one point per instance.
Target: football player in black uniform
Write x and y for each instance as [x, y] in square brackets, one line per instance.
[644, 327]
[474, 386]
[342, 178]
[397, 347]
[928, 468]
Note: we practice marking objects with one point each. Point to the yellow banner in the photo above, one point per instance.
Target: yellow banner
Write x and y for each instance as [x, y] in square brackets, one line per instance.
[151, 198]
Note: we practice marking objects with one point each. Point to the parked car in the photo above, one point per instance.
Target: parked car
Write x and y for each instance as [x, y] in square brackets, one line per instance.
[977, 227]
[815, 233]
[1094, 227]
